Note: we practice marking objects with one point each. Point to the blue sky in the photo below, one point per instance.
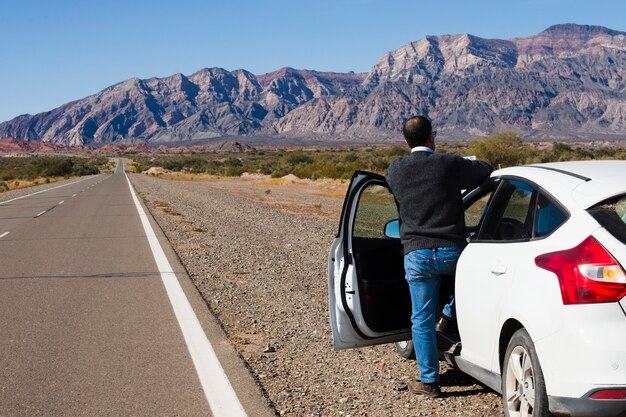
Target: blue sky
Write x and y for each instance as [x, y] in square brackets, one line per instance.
[55, 51]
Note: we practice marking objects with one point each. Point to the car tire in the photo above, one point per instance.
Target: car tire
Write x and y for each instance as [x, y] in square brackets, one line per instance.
[405, 349]
[523, 386]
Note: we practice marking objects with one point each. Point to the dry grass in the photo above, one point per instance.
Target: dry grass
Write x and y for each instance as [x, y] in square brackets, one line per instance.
[299, 182]
[170, 211]
[250, 343]
[17, 184]
[260, 179]
[165, 207]
[194, 229]
[194, 246]
[187, 176]
[339, 192]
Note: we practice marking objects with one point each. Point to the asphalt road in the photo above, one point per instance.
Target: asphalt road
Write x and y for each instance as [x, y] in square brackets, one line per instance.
[86, 324]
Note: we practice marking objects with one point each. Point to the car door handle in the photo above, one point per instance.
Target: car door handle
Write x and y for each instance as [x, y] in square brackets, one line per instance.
[498, 269]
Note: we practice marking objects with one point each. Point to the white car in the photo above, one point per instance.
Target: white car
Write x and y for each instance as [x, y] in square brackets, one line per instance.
[540, 288]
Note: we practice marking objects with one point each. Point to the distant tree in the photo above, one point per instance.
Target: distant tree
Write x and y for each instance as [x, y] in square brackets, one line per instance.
[559, 152]
[502, 149]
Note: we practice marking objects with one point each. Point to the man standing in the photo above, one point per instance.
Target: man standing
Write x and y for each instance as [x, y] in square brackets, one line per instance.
[427, 188]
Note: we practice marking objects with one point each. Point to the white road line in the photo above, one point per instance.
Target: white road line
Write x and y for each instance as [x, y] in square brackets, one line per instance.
[219, 392]
[4, 234]
[61, 202]
[43, 212]
[43, 191]
[73, 195]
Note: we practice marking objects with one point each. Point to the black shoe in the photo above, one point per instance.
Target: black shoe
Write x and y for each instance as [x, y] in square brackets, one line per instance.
[446, 326]
[432, 390]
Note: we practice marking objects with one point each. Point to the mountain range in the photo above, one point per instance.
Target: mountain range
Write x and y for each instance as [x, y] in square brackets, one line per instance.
[567, 82]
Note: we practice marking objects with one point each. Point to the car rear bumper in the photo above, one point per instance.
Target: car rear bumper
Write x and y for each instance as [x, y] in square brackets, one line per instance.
[587, 407]
[587, 353]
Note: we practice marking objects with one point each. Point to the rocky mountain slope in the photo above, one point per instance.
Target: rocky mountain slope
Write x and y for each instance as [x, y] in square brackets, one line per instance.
[567, 81]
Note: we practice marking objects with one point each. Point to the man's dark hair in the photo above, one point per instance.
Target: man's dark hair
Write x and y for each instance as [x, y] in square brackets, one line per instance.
[417, 130]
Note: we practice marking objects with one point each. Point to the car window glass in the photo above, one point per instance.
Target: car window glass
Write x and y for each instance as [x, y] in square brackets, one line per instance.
[376, 207]
[611, 214]
[517, 208]
[474, 212]
[620, 208]
[510, 213]
[549, 216]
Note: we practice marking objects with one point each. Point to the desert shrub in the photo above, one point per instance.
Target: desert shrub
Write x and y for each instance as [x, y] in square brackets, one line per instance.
[80, 169]
[233, 162]
[297, 158]
[174, 164]
[48, 166]
[278, 172]
[194, 164]
[234, 171]
[378, 164]
[350, 157]
[502, 149]
[559, 152]
[395, 151]
[327, 169]
[265, 170]
[564, 152]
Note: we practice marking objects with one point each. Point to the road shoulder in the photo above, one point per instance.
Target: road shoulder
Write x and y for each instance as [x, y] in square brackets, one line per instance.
[245, 386]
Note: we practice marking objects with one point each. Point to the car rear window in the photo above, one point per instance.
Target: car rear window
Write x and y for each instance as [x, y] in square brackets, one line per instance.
[611, 214]
[549, 216]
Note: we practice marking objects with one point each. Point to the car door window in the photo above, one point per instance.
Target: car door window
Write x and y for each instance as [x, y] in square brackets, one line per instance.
[510, 215]
[474, 213]
[475, 204]
[376, 207]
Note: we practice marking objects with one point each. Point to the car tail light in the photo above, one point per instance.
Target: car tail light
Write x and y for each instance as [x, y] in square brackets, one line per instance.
[609, 394]
[587, 273]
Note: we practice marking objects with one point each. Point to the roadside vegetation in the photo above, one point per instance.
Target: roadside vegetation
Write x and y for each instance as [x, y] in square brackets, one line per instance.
[505, 149]
[502, 149]
[17, 172]
[313, 164]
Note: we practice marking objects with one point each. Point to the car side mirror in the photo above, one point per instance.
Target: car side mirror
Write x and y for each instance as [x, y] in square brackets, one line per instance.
[392, 229]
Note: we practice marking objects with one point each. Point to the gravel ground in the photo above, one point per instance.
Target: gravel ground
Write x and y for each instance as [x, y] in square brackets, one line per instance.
[257, 252]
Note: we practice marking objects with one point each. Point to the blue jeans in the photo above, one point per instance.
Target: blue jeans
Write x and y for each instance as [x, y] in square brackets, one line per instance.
[424, 268]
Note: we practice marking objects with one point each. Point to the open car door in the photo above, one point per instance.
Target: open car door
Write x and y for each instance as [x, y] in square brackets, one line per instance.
[369, 298]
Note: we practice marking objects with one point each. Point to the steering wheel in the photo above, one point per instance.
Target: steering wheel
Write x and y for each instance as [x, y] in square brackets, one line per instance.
[511, 229]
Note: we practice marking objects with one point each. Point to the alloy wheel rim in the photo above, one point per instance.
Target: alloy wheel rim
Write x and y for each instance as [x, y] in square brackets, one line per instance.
[520, 383]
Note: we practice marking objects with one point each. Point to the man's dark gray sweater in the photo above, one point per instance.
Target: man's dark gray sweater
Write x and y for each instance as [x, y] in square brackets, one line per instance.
[427, 188]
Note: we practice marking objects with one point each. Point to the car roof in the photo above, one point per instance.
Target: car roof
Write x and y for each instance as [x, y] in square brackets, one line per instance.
[584, 183]
[593, 169]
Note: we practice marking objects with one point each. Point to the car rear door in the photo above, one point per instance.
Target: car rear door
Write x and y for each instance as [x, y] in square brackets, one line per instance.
[369, 299]
[517, 219]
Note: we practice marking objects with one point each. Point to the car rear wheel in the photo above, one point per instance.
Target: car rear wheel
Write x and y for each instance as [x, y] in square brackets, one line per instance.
[405, 349]
[523, 386]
